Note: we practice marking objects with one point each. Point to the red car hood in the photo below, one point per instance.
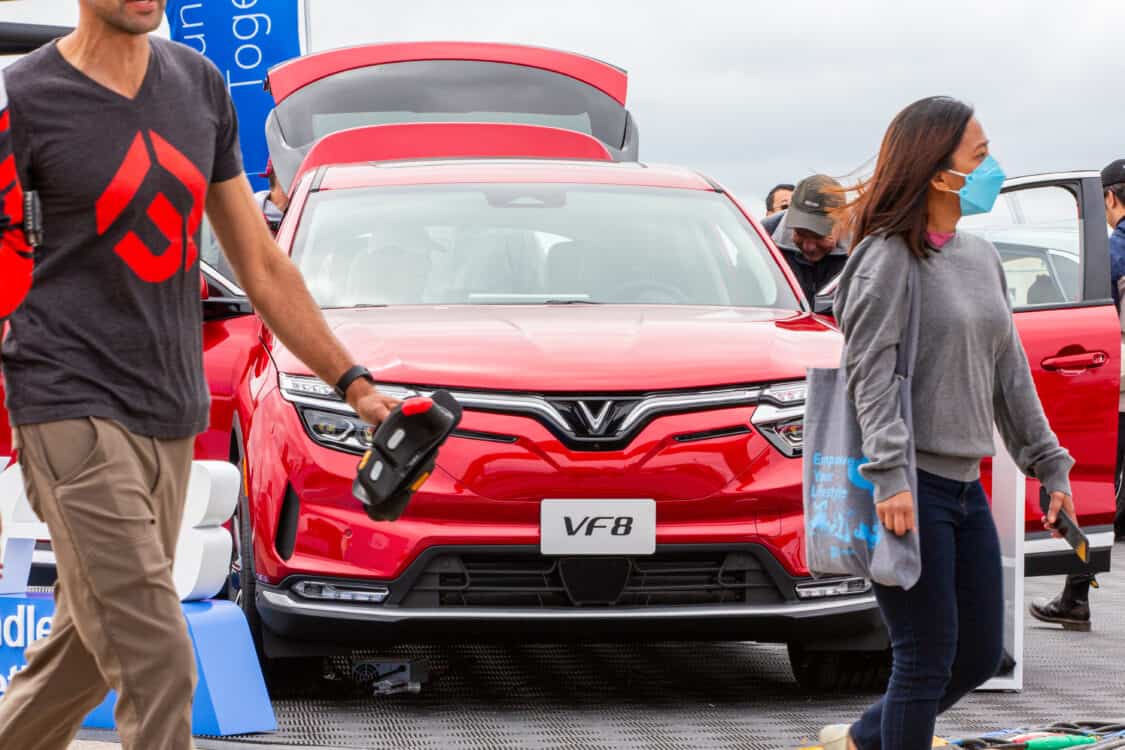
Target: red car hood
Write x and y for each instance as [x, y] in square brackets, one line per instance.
[569, 348]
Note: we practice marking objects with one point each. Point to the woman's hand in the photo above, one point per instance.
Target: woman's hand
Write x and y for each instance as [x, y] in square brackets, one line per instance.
[1059, 501]
[897, 513]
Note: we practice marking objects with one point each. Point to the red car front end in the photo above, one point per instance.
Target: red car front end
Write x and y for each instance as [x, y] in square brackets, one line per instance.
[465, 560]
[607, 359]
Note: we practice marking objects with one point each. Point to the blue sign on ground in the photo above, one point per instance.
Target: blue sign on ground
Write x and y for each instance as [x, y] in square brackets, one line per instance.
[230, 696]
[244, 38]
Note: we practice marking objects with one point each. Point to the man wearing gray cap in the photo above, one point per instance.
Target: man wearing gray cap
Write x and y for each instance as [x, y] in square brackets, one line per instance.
[1113, 185]
[1071, 608]
[808, 235]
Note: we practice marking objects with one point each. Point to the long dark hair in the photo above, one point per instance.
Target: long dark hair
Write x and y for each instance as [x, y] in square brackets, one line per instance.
[919, 143]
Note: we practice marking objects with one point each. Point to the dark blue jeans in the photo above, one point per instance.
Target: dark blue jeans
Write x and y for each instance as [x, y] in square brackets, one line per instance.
[947, 632]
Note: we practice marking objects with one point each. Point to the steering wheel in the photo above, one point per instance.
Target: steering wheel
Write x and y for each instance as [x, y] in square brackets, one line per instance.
[665, 294]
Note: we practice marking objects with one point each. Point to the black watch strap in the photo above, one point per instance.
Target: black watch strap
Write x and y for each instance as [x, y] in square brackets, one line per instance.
[353, 374]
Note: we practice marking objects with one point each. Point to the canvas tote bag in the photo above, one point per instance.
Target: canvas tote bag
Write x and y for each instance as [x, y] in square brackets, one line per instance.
[843, 534]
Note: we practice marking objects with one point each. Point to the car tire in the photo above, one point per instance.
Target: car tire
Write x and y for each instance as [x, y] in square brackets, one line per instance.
[241, 585]
[840, 671]
[281, 674]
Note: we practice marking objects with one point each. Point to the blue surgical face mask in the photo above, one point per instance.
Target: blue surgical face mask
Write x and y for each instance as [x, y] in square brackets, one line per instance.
[982, 187]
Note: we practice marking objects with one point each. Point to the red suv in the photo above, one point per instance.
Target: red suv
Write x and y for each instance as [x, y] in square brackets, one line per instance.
[629, 349]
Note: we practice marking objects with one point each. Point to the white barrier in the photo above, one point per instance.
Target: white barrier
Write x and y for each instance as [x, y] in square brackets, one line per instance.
[203, 551]
[1009, 493]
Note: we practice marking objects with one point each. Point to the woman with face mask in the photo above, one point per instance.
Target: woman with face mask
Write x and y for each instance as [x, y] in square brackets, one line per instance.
[970, 373]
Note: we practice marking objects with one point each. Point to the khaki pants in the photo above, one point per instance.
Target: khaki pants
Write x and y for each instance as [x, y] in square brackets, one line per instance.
[114, 503]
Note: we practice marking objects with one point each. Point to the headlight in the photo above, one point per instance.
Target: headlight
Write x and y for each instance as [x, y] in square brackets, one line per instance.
[296, 388]
[328, 420]
[786, 394]
[782, 419]
[336, 430]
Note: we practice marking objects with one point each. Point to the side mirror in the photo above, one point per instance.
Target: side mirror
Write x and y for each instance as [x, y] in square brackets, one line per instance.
[220, 308]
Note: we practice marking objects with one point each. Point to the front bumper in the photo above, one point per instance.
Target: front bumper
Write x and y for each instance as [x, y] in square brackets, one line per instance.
[747, 595]
[292, 618]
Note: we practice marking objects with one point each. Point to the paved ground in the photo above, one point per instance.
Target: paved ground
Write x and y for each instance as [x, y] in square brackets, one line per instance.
[726, 695]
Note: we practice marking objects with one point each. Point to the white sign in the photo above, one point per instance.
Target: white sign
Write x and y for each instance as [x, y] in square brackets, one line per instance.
[203, 551]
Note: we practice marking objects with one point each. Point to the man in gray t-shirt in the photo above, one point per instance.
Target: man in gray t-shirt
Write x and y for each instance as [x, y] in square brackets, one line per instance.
[128, 140]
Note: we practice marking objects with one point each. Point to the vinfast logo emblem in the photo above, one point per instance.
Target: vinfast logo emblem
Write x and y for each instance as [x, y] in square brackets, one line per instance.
[596, 421]
[152, 163]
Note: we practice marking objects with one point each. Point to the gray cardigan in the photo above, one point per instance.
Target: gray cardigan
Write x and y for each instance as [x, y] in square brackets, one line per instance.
[971, 370]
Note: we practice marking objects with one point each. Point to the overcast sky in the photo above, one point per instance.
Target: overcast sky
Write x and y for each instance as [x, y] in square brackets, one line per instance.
[755, 93]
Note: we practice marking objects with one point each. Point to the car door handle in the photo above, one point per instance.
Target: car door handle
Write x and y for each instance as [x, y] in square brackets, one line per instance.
[1072, 364]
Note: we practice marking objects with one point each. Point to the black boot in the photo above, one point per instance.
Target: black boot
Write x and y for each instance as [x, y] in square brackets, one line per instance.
[1066, 609]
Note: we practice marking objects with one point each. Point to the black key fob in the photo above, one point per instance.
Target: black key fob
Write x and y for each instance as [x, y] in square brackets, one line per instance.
[1068, 528]
[403, 453]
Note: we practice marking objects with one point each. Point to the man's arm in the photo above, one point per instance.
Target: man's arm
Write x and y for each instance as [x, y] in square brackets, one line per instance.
[279, 294]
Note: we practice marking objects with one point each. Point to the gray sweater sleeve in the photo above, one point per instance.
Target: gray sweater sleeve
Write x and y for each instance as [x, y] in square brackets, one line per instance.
[1020, 418]
[873, 313]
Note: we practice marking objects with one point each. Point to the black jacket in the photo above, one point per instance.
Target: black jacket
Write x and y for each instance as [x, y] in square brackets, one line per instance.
[811, 276]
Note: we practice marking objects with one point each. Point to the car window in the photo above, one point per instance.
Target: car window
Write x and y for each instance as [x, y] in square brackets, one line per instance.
[211, 253]
[534, 244]
[1037, 231]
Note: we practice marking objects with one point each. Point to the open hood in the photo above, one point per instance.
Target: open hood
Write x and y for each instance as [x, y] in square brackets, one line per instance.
[444, 82]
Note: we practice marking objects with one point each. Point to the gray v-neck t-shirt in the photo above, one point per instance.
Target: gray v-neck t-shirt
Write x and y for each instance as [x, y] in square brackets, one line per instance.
[112, 326]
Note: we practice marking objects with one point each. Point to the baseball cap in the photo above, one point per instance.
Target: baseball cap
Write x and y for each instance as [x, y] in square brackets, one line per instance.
[268, 170]
[1114, 173]
[813, 198]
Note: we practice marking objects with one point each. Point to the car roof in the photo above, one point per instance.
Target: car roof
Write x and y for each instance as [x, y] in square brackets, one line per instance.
[446, 171]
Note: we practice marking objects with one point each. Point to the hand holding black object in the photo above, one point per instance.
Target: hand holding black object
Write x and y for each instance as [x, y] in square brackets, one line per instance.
[1058, 501]
[1058, 517]
[404, 453]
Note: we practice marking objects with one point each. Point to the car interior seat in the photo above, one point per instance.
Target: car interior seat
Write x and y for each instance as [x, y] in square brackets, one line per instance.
[1043, 291]
[498, 261]
[576, 267]
[394, 269]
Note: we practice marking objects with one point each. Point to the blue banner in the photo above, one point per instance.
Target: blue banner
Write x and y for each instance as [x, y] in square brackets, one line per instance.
[244, 38]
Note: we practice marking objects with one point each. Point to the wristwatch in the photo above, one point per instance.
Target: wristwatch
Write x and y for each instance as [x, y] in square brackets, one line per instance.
[353, 374]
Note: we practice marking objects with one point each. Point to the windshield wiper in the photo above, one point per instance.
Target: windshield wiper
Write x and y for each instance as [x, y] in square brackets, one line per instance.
[571, 302]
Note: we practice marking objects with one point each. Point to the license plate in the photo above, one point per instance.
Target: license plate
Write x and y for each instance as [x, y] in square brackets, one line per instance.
[597, 527]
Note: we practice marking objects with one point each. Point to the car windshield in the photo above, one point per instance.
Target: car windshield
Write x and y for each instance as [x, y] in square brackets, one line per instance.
[510, 244]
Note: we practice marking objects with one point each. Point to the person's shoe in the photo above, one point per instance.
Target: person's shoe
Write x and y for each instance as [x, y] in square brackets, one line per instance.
[835, 737]
[1071, 615]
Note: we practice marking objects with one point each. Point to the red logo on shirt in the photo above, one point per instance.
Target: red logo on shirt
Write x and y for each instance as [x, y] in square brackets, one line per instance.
[177, 228]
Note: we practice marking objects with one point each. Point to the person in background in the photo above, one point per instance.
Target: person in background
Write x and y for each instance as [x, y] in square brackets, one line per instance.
[1113, 183]
[1071, 608]
[274, 202]
[777, 199]
[808, 235]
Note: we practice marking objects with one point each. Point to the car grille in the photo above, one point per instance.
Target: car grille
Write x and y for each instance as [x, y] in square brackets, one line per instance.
[529, 580]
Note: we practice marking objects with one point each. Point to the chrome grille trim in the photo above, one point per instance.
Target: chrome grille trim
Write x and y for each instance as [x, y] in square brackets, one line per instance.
[543, 408]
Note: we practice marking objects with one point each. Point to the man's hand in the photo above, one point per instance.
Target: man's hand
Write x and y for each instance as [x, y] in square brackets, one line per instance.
[1059, 501]
[371, 405]
[897, 513]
